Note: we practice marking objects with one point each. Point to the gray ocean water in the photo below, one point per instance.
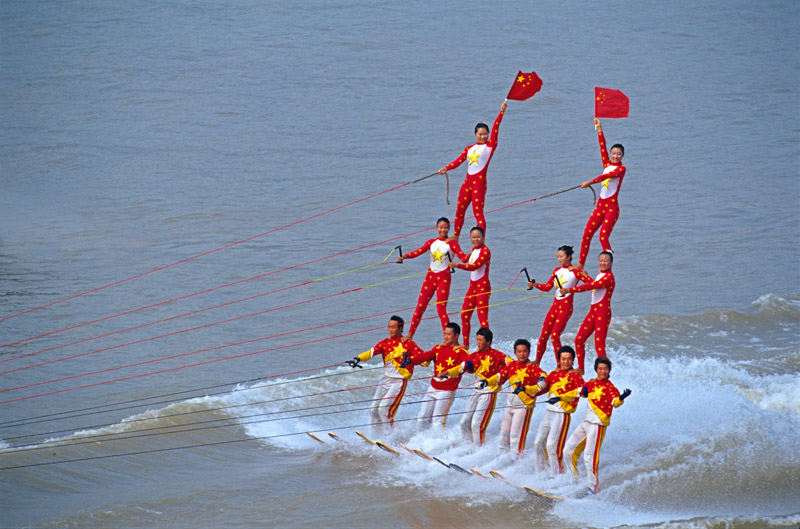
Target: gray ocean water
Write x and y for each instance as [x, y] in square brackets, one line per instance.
[139, 135]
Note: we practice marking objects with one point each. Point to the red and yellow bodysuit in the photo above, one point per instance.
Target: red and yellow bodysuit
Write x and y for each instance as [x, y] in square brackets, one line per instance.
[519, 408]
[606, 212]
[588, 436]
[437, 280]
[393, 384]
[599, 316]
[560, 311]
[437, 400]
[477, 263]
[481, 404]
[553, 429]
[474, 187]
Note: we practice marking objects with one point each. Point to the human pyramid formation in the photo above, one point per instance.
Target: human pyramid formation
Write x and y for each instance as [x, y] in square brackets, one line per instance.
[492, 368]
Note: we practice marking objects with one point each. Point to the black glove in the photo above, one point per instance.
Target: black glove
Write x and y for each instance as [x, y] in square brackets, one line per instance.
[585, 392]
[520, 388]
[406, 361]
[553, 400]
[469, 367]
[625, 394]
[483, 383]
[355, 363]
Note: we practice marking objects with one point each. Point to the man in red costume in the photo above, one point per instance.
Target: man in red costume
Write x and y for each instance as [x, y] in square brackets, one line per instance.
[599, 316]
[438, 276]
[606, 212]
[484, 363]
[393, 384]
[477, 264]
[603, 397]
[437, 400]
[527, 380]
[474, 187]
[563, 385]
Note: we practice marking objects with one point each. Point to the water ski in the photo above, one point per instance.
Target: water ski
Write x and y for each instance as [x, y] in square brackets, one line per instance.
[314, 437]
[364, 437]
[386, 448]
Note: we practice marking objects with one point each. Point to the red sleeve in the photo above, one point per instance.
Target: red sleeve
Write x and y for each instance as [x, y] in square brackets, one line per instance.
[581, 274]
[495, 129]
[483, 258]
[547, 287]
[605, 281]
[458, 161]
[419, 251]
[459, 252]
[419, 356]
[603, 152]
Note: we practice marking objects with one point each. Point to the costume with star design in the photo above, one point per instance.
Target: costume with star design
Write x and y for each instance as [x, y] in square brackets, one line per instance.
[588, 436]
[481, 404]
[437, 280]
[519, 407]
[437, 400]
[552, 433]
[598, 318]
[474, 187]
[560, 311]
[393, 384]
[477, 263]
[606, 212]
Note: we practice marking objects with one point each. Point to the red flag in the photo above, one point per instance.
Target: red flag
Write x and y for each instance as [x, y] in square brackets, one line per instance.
[610, 103]
[525, 85]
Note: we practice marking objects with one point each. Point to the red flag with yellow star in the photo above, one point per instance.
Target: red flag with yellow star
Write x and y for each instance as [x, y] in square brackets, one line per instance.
[525, 85]
[610, 103]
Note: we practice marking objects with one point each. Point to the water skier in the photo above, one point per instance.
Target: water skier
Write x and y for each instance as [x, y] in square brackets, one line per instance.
[527, 380]
[485, 362]
[606, 212]
[561, 310]
[474, 187]
[439, 396]
[393, 384]
[598, 318]
[477, 264]
[563, 385]
[603, 397]
[438, 277]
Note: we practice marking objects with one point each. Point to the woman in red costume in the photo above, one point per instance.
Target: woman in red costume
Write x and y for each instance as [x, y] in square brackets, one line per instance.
[599, 316]
[606, 212]
[438, 277]
[474, 187]
[561, 310]
[477, 263]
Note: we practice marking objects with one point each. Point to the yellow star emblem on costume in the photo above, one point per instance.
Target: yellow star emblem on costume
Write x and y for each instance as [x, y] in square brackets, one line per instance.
[596, 393]
[484, 366]
[397, 351]
[437, 255]
[519, 376]
[473, 158]
[605, 182]
[450, 362]
[558, 386]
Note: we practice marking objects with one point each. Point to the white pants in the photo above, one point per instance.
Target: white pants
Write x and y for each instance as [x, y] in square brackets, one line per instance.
[587, 438]
[478, 414]
[387, 399]
[550, 439]
[435, 405]
[514, 428]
